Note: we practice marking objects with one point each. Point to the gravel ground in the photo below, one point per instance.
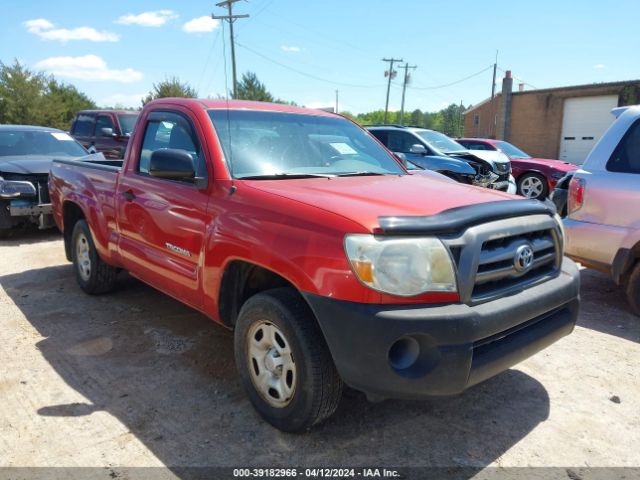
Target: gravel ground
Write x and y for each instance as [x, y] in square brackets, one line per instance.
[136, 379]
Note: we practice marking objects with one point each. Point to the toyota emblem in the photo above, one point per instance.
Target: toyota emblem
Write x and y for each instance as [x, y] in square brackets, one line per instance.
[523, 259]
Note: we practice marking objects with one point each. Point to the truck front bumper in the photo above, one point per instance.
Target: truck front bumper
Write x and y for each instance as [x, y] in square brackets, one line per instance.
[416, 351]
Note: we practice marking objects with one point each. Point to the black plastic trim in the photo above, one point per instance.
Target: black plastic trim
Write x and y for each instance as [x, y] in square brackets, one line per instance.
[460, 218]
[106, 165]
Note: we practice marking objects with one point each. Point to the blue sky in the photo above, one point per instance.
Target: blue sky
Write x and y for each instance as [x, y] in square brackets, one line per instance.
[304, 50]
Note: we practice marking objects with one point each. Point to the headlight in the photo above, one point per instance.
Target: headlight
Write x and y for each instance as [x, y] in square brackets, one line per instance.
[14, 189]
[401, 266]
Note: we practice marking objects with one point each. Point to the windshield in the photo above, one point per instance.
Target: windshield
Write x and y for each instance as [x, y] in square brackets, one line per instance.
[33, 142]
[127, 121]
[262, 144]
[511, 151]
[439, 141]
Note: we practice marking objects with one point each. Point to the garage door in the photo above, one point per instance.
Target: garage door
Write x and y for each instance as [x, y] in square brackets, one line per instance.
[585, 120]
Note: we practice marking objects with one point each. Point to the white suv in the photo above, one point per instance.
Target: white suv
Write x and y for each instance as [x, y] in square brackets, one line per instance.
[603, 223]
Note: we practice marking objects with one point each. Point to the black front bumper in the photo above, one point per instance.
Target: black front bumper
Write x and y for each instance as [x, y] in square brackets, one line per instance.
[408, 351]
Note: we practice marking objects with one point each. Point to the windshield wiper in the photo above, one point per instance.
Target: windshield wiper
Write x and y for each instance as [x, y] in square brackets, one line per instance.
[284, 176]
[362, 174]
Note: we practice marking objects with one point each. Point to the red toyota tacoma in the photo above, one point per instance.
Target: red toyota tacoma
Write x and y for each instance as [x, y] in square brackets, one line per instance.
[332, 263]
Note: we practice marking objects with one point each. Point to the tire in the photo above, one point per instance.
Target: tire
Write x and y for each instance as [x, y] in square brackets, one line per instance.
[633, 289]
[306, 388]
[93, 275]
[533, 185]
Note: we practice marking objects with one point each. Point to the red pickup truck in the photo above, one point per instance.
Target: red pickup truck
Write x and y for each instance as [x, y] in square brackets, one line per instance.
[333, 264]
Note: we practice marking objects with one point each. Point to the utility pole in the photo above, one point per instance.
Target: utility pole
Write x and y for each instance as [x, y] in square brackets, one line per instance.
[404, 88]
[337, 101]
[228, 4]
[493, 94]
[460, 121]
[391, 74]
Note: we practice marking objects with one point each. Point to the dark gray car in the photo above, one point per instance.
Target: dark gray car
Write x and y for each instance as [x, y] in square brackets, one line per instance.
[26, 153]
[435, 151]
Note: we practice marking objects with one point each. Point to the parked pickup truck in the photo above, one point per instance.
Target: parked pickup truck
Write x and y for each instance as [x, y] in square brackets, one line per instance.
[603, 223]
[332, 263]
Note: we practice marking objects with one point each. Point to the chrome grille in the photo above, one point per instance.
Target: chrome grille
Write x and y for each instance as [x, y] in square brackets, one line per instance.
[497, 262]
[485, 256]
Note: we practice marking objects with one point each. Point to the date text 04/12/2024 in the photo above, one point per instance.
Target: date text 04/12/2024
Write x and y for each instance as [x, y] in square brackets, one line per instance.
[315, 473]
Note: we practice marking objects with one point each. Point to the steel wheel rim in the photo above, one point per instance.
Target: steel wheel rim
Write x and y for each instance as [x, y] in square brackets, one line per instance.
[532, 187]
[82, 257]
[271, 365]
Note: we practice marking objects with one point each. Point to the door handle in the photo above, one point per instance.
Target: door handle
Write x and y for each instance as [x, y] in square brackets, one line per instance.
[129, 195]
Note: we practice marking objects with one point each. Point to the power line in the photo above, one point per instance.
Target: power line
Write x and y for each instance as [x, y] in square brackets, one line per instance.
[435, 87]
[300, 72]
[519, 79]
[206, 63]
[231, 18]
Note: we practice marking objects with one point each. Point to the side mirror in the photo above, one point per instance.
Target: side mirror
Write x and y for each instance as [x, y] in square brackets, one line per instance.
[171, 163]
[106, 132]
[418, 149]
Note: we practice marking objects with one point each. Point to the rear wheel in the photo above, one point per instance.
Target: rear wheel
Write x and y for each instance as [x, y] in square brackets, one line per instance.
[93, 275]
[284, 362]
[633, 289]
[533, 185]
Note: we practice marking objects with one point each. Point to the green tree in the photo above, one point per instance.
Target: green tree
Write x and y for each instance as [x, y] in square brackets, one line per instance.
[417, 118]
[61, 103]
[250, 88]
[32, 98]
[170, 87]
[21, 94]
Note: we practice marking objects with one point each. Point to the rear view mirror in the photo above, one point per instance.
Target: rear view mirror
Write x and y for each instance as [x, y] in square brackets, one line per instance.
[418, 149]
[106, 132]
[171, 163]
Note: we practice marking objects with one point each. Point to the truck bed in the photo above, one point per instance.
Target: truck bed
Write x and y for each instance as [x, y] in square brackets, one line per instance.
[109, 165]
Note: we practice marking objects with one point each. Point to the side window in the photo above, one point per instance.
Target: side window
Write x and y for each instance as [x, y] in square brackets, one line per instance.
[170, 130]
[103, 121]
[401, 142]
[382, 136]
[83, 126]
[626, 156]
[477, 146]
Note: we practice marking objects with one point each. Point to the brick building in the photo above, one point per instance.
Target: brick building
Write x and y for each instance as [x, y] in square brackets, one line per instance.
[561, 123]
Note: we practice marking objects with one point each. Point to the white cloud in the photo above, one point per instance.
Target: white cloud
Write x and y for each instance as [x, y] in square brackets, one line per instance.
[127, 100]
[148, 19]
[600, 66]
[200, 25]
[289, 49]
[47, 31]
[88, 67]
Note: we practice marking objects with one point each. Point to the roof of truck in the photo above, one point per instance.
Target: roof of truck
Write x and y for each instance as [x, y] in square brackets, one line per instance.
[243, 105]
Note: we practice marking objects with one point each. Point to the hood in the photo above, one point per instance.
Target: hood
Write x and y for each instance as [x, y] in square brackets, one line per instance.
[365, 199]
[555, 164]
[489, 156]
[35, 164]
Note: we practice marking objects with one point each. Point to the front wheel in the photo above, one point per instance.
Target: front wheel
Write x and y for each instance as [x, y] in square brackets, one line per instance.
[93, 275]
[533, 185]
[284, 361]
[633, 290]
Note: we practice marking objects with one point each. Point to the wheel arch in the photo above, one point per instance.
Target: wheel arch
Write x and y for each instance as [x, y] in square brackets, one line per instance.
[240, 281]
[623, 263]
[71, 214]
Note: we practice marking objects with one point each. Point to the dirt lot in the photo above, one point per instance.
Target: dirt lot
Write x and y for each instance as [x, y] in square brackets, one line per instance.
[134, 378]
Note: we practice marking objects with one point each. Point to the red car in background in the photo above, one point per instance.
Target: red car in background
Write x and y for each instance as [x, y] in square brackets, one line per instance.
[535, 177]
